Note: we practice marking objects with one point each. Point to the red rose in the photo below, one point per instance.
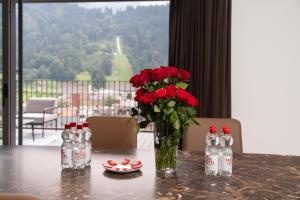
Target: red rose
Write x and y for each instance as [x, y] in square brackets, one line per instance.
[173, 72]
[138, 80]
[182, 94]
[171, 91]
[148, 74]
[161, 93]
[137, 98]
[158, 74]
[184, 75]
[170, 72]
[140, 92]
[147, 98]
[192, 101]
[133, 80]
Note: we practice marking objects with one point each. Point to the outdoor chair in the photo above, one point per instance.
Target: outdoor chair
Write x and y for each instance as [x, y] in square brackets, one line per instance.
[41, 111]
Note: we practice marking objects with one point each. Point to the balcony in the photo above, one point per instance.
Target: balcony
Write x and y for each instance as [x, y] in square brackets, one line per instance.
[76, 100]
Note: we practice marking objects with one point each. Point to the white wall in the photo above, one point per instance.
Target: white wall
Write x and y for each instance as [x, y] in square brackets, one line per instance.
[266, 74]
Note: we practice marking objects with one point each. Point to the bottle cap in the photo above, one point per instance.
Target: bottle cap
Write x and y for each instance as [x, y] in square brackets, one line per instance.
[85, 124]
[73, 124]
[67, 126]
[79, 126]
[226, 130]
[213, 129]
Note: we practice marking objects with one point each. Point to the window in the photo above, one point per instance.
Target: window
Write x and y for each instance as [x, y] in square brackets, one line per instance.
[83, 54]
[94, 41]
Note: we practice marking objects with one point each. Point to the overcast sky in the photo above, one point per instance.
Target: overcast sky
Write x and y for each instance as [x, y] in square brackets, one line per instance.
[120, 5]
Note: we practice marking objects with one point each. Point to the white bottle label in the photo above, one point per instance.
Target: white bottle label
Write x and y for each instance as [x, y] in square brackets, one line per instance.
[78, 157]
[66, 156]
[212, 162]
[226, 163]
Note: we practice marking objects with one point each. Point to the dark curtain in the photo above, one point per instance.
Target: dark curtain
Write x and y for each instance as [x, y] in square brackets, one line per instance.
[200, 42]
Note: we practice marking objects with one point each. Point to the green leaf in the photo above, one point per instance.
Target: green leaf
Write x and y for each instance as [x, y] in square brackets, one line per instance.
[137, 129]
[134, 111]
[165, 110]
[191, 111]
[151, 88]
[181, 109]
[182, 85]
[173, 118]
[176, 124]
[194, 121]
[169, 111]
[144, 124]
[156, 108]
[171, 103]
[149, 117]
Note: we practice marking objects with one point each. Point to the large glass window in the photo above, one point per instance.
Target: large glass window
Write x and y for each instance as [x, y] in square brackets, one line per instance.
[83, 54]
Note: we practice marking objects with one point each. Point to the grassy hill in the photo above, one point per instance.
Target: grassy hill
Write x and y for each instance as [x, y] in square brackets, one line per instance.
[121, 68]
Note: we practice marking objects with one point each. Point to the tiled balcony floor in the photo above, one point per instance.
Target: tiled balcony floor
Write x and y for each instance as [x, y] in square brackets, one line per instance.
[53, 138]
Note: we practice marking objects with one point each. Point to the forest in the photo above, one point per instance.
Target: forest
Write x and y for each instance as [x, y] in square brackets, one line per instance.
[68, 42]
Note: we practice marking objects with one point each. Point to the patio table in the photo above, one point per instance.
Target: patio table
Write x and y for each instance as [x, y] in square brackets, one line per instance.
[37, 170]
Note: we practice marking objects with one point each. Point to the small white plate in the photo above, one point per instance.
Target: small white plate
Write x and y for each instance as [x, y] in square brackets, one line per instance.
[126, 166]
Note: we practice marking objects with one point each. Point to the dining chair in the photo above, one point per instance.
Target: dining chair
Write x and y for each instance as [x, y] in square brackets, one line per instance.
[194, 139]
[15, 196]
[113, 132]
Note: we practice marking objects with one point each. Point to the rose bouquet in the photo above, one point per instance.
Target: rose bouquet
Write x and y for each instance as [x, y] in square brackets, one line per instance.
[163, 100]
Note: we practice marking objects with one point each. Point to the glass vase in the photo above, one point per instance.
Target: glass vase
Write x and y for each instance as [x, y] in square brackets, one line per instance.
[165, 152]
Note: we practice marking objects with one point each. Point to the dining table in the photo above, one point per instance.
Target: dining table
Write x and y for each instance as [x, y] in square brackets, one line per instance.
[37, 170]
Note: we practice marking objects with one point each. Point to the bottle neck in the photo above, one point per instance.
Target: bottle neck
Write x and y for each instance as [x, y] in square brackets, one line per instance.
[213, 139]
[227, 140]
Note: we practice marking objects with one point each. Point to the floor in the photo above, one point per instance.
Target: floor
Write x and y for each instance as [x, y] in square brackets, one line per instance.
[53, 138]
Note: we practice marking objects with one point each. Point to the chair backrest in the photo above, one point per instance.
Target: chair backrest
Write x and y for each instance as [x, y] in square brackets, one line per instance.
[113, 132]
[194, 138]
[14, 196]
[37, 105]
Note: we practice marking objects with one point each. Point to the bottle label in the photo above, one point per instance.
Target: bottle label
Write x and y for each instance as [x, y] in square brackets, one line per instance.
[66, 156]
[226, 163]
[79, 157]
[211, 162]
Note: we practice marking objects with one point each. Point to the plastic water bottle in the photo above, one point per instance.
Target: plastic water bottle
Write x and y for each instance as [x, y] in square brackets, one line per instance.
[212, 152]
[67, 148]
[73, 127]
[226, 155]
[87, 143]
[78, 149]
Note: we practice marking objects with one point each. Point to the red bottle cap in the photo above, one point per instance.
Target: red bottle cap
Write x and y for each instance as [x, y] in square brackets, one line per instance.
[73, 124]
[213, 129]
[226, 130]
[67, 126]
[79, 126]
[85, 124]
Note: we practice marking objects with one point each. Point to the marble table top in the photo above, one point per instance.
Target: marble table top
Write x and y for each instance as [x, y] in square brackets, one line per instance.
[37, 170]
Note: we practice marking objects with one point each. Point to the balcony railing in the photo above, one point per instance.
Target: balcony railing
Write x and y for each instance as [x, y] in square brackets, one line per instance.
[76, 100]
